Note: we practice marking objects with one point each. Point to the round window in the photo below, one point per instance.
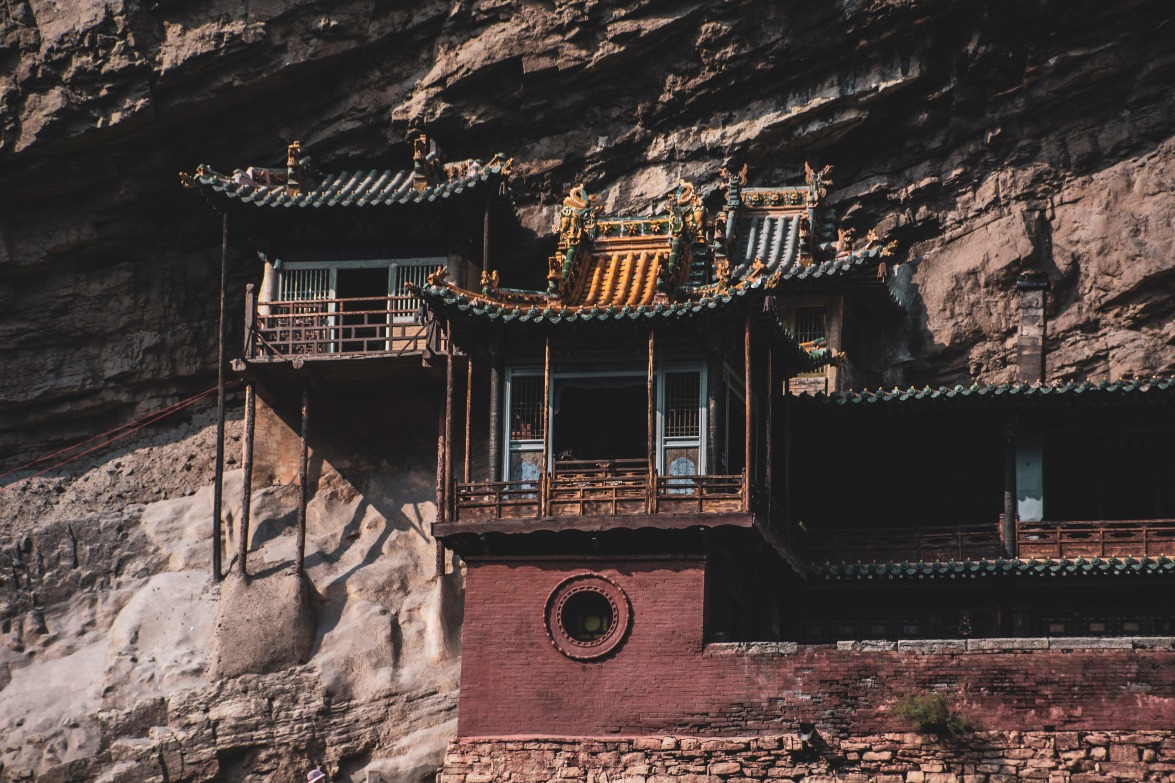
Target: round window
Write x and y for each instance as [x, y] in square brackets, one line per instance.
[587, 617]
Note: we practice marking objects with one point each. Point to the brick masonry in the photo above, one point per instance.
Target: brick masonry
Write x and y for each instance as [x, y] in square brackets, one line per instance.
[986, 757]
[665, 681]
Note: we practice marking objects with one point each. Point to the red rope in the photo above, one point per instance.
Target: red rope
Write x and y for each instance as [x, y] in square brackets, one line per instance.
[133, 426]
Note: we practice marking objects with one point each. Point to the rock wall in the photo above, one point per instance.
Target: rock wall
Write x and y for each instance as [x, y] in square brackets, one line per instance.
[988, 138]
[121, 660]
[971, 757]
[985, 137]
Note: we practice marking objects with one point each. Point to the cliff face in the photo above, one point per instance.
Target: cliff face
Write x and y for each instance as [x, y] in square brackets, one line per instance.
[988, 138]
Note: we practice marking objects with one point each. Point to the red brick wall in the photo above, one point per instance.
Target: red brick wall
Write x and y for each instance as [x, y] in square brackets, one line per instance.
[663, 681]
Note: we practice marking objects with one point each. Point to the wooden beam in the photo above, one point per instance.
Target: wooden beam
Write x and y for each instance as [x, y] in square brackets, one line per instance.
[1008, 526]
[770, 429]
[546, 423]
[447, 468]
[218, 482]
[748, 454]
[303, 487]
[247, 485]
[651, 488]
[468, 414]
[495, 444]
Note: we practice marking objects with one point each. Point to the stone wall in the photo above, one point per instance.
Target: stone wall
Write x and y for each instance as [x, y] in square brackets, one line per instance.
[986, 757]
[664, 679]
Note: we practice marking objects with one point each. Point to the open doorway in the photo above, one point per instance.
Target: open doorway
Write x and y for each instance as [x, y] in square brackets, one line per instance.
[600, 424]
[364, 318]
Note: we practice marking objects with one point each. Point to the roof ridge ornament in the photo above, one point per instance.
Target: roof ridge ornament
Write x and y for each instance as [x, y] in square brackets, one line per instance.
[577, 221]
[428, 160]
[817, 182]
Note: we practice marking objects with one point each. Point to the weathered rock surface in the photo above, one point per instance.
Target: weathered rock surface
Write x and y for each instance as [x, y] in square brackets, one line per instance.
[121, 660]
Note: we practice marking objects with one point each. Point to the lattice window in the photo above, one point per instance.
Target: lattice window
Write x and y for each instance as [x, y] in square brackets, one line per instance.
[304, 284]
[811, 323]
[415, 274]
[683, 418]
[526, 408]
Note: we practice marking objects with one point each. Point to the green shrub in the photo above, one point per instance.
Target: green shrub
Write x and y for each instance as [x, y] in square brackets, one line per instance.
[929, 712]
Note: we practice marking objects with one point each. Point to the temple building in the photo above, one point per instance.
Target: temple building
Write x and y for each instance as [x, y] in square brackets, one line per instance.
[670, 469]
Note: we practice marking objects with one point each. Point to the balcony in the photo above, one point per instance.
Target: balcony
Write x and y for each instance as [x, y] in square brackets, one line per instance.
[1132, 538]
[334, 328]
[560, 495]
[1050, 540]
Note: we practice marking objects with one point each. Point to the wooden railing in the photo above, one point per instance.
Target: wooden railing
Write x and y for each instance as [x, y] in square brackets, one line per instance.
[576, 492]
[896, 545]
[334, 327]
[1128, 538]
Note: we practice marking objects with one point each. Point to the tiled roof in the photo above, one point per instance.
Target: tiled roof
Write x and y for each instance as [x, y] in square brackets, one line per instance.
[973, 569]
[618, 279]
[773, 238]
[370, 188]
[1141, 389]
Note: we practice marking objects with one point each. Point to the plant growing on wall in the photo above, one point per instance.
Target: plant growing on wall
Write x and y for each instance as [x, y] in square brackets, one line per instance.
[930, 713]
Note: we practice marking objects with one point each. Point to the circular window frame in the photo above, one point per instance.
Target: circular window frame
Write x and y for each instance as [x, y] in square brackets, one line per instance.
[597, 648]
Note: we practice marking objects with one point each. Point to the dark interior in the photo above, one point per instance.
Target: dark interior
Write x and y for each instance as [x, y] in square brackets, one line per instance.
[359, 283]
[600, 419]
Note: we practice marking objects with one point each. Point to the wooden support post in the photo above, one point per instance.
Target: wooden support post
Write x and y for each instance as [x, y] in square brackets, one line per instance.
[468, 415]
[447, 468]
[485, 238]
[651, 382]
[495, 455]
[441, 516]
[247, 486]
[303, 484]
[218, 482]
[787, 510]
[767, 456]
[250, 309]
[544, 485]
[1008, 528]
[749, 452]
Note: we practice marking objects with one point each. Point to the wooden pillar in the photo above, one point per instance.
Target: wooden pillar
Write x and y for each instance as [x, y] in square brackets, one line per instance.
[468, 415]
[485, 238]
[441, 517]
[303, 485]
[247, 485]
[218, 482]
[546, 425]
[651, 383]
[447, 468]
[787, 509]
[749, 452]
[495, 454]
[1008, 528]
[767, 456]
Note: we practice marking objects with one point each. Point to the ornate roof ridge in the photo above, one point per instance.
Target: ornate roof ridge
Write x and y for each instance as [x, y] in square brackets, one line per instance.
[301, 184]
